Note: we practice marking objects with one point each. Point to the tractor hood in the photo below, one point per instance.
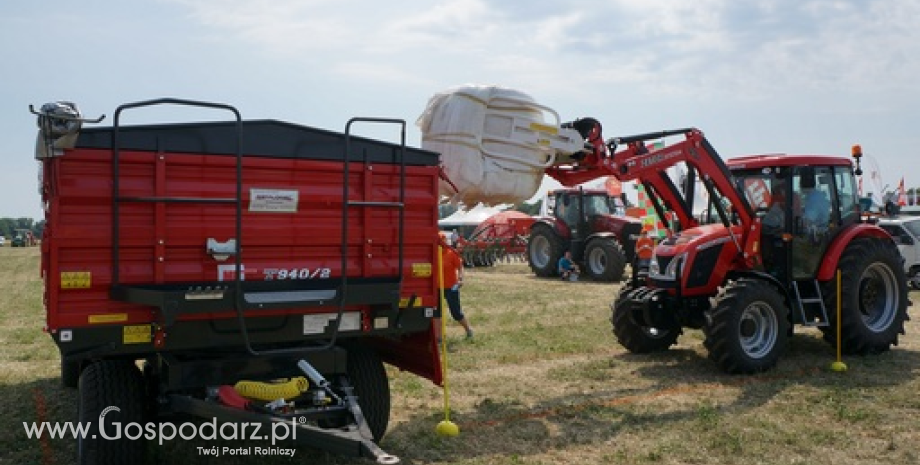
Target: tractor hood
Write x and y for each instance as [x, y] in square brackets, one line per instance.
[694, 253]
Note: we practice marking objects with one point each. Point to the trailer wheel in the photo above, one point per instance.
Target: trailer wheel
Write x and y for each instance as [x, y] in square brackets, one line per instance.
[634, 337]
[605, 260]
[70, 372]
[111, 391]
[368, 377]
[748, 327]
[544, 249]
[873, 298]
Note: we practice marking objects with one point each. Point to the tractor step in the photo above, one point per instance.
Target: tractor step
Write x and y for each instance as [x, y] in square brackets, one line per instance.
[810, 303]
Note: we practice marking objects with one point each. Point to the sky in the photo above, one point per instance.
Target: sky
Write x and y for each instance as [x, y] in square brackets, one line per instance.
[756, 76]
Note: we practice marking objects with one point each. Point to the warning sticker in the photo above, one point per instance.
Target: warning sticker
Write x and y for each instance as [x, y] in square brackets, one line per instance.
[421, 270]
[137, 334]
[76, 279]
[273, 200]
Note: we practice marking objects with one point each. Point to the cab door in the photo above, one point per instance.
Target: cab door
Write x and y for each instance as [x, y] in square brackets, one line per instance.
[824, 201]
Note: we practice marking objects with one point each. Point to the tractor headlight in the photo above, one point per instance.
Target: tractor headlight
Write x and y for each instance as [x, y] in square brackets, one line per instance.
[670, 273]
[653, 267]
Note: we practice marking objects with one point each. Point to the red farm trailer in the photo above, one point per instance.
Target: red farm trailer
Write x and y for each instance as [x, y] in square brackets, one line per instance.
[191, 266]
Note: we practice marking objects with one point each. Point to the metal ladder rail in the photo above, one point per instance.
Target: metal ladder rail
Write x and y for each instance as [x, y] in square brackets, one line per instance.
[811, 300]
[117, 199]
[346, 204]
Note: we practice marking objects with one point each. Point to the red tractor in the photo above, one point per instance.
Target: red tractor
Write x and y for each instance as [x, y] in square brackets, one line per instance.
[785, 226]
[585, 223]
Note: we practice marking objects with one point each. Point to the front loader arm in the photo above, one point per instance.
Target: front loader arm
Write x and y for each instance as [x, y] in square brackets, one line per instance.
[636, 163]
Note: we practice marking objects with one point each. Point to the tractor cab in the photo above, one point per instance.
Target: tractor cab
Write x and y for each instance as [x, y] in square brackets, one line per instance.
[803, 204]
[568, 205]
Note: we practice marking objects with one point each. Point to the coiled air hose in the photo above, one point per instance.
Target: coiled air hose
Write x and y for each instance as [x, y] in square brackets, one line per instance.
[259, 390]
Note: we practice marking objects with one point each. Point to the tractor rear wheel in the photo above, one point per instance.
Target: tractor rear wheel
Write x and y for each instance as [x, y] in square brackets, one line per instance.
[544, 249]
[873, 298]
[605, 260]
[635, 337]
[111, 391]
[748, 327]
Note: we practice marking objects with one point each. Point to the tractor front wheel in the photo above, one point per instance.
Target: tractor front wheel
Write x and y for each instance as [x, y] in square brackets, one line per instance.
[635, 337]
[748, 327]
[544, 249]
[873, 298]
[605, 260]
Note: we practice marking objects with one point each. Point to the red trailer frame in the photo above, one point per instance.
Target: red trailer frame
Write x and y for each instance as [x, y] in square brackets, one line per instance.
[217, 251]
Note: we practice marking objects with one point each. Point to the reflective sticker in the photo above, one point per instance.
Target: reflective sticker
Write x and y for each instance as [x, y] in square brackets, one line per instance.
[404, 302]
[421, 270]
[137, 334]
[316, 323]
[76, 279]
[108, 318]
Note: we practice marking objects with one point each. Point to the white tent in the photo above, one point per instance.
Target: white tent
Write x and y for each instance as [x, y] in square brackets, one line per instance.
[471, 217]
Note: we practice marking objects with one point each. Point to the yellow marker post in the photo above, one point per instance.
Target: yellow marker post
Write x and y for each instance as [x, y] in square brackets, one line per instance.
[838, 365]
[445, 427]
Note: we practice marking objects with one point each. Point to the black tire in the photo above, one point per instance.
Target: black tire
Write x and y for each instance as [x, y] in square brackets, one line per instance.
[367, 375]
[634, 337]
[544, 249]
[748, 328]
[103, 385]
[605, 260]
[369, 378]
[873, 298]
[70, 373]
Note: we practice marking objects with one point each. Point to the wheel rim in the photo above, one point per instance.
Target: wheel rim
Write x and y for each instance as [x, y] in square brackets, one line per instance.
[597, 260]
[758, 329]
[878, 298]
[539, 251]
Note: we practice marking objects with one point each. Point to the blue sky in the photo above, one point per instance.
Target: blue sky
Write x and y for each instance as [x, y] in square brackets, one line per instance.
[759, 76]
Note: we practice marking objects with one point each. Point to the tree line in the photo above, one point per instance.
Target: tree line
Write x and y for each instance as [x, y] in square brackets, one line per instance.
[9, 226]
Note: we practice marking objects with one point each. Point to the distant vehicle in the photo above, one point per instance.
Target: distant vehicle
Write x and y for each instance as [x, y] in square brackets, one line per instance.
[2, 241]
[24, 238]
[906, 233]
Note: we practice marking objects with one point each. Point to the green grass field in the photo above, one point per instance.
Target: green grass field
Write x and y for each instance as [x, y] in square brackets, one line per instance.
[544, 382]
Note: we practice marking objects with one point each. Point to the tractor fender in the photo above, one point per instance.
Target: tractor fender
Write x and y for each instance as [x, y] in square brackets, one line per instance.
[559, 227]
[755, 274]
[832, 257]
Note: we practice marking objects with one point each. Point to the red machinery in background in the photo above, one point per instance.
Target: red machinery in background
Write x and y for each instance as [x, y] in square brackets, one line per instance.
[501, 237]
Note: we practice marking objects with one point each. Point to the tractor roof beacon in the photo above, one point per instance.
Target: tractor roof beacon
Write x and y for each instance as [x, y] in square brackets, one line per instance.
[227, 255]
[741, 279]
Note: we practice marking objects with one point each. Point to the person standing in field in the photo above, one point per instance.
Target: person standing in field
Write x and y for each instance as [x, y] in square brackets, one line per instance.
[645, 247]
[452, 270]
